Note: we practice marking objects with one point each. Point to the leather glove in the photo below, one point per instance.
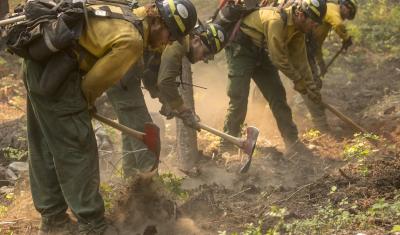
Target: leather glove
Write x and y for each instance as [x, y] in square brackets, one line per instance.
[309, 88]
[166, 111]
[312, 91]
[190, 119]
[318, 82]
[300, 86]
[314, 95]
[346, 44]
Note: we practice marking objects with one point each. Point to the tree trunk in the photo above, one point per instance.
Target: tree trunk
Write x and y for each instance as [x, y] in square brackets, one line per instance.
[4, 8]
[188, 154]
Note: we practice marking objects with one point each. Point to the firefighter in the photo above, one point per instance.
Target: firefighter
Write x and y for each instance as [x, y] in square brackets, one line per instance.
[64, 167]
[337, 13]
[128, 100]
[202, 44]
[271, 39]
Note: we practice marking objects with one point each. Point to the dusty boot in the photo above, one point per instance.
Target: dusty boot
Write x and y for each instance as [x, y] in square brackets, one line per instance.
[103, 228]
[57, 225]
[322, 126]
[295, 146]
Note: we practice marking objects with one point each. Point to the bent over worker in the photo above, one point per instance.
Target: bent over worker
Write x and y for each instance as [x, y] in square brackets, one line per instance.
[127, 97]
[337, 13]
[201, 45]
[63, 156]
[270, 39]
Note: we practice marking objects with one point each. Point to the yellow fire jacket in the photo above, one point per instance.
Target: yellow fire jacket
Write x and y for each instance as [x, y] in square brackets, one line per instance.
[117, 44]
[170, 69]
[284, 43]
[332, 20]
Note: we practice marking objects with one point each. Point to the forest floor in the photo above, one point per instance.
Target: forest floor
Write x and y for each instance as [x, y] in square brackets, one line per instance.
[346, 184]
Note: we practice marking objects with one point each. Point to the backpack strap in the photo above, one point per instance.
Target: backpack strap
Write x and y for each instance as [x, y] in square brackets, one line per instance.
[284, 15]
[126, 14]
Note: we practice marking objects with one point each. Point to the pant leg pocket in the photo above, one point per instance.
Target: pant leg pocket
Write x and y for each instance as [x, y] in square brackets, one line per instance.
[77, 129]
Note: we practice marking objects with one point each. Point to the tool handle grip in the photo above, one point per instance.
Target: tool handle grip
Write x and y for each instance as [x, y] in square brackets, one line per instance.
[340, 115]
[221, 4]
[344, 118]
[233, 140]
[332, 60]
[126, 130]
[12, 20]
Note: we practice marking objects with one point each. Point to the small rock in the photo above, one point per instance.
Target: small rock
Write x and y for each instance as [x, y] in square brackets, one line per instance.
[389, 110]
[10, 175]
[150, 230]
[312, 146]
[386, 91]
[19, 167]
[337, 129]
[6, 190]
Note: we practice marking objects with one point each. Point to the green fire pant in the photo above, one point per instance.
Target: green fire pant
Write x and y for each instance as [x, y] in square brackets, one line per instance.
[63, 157]
[129, 105]
[247, 62]
[317, 111]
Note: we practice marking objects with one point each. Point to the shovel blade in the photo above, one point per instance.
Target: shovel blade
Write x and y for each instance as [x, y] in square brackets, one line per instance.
[152, 140]
[248, 147]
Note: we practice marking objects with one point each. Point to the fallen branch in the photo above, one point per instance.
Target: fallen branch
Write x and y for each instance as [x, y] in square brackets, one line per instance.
[12, 221]
[342, 173]
[291, 195]
[243, 191]
[7, 222]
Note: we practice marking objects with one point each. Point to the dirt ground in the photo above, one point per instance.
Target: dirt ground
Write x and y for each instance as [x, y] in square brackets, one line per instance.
[218, 198]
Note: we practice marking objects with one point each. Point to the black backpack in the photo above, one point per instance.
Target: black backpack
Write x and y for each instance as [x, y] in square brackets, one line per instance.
[50, 27]
[230, 14]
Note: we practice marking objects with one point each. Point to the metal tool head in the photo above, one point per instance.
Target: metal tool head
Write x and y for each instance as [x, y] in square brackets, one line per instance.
[248, 146]
[152, 140]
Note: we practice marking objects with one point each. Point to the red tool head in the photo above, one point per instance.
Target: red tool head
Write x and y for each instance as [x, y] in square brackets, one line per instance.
[152, 140]
[249, 144]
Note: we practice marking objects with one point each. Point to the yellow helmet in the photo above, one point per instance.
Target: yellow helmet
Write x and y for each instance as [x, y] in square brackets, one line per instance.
[180, 16]
[353, 5]
[315, 9]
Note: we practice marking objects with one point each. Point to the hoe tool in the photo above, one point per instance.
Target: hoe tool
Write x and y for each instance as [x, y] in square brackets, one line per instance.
[247, 145]
[344, 118]
[332, 60]
[341, 115]
[150, 137]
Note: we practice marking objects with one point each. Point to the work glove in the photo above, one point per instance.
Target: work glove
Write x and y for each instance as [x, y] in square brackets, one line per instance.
[318, 82]
[347, 43]
[190, 119]
[308, 87]
[300, 86]
[314, 95]
[166, 111]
